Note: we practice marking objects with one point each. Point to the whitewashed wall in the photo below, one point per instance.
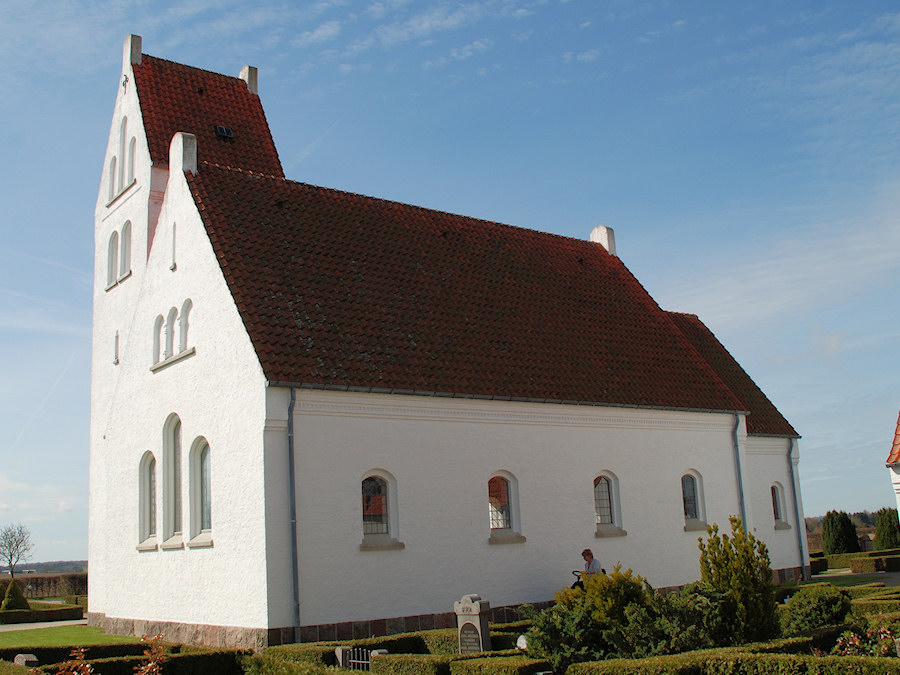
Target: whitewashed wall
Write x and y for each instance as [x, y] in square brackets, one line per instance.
[218, 393]
[442, 452]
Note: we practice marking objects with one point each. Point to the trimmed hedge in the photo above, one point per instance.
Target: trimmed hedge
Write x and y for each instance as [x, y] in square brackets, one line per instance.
[220, 662]
[719, 663]
[7, 668]
[491, 665]
[411, 664]
[59, 613]
[818, 565]
[865, 590]
[876, 606]
[60, 654]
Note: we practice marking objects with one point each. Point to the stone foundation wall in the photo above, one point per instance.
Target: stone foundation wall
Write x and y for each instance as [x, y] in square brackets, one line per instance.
[260, 638]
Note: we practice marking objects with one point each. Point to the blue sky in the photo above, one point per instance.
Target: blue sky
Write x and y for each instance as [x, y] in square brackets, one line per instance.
[746, 155]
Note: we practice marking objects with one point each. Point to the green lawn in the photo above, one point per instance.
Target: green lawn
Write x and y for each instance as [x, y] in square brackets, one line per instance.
[60, 636]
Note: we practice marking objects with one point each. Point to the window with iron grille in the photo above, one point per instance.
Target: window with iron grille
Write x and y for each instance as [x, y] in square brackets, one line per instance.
[603, 503]
[498, 498]
[374, 505]
[689, 495]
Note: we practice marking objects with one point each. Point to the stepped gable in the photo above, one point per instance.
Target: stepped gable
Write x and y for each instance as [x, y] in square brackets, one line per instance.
[344, 291]
[894, 457]
[175, 97]
[764, 418]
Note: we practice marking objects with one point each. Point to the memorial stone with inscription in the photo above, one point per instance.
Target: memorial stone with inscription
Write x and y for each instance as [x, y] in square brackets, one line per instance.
[472, 614]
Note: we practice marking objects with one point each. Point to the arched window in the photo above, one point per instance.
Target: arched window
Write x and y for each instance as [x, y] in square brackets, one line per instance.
[112, 178]
[692, 498]
[170, 333]
[375, 506]
[201, 494]
[125, 250]
[112, 260]
[603, 500]
[158, 339]
[498, 499]
[172, 476]
[778, 507]
[607, 511]
[123, 131]
[379, 511]
[132, 145]
[503, 508]
[183, 323]
[147, 500]
[116, 350]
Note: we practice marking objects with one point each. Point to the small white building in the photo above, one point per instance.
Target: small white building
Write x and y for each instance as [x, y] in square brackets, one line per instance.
[320, 415]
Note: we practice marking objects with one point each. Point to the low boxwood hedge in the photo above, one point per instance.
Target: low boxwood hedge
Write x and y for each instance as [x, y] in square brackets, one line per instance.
[818, 565]
[218, 662]
[60, 654]
[517, 664]
[739, 663]
[57, 613]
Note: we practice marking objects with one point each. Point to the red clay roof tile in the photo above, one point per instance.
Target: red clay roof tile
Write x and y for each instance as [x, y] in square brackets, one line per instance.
[894, 457]
[342, 290]
[764, 419]
[175, 97]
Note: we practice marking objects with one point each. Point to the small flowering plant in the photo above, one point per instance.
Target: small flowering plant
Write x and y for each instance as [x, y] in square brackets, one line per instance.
[154, 656]
[875, 642]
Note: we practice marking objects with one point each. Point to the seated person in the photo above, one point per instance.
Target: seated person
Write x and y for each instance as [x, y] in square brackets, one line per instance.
[591, 567]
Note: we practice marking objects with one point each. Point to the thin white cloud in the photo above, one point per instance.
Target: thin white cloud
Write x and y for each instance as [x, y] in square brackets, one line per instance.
[434, 20]
[324, 33]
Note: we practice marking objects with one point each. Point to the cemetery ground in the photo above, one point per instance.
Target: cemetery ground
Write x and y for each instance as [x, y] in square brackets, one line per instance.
[874, 599]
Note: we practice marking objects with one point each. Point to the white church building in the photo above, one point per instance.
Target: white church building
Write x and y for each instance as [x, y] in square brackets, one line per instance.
[320, 415]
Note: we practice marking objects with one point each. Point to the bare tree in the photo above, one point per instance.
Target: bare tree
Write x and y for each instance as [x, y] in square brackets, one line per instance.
[15, 545]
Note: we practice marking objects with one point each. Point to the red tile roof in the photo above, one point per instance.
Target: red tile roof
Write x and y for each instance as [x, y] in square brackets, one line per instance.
[894, 457]
[175, 98]
[764, 419]
[346, 291]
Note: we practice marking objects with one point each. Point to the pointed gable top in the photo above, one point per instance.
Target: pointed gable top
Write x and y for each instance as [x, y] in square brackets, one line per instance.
[175, 97]
[338, 290]
[894, 457]
[764, 418]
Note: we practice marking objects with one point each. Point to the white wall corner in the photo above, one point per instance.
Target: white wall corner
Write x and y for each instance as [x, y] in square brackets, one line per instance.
[131, 54]
[183, 153]
[249, 74]
[605, 237]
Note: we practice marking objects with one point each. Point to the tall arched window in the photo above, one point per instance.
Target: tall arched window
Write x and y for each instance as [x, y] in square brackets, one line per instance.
[147, 501]
[112, 259]
[503, 508]
[170, 333]
[123, 131]
[158, 338]
[112, 178]
[183, 324]
[172, 476]
[125, 250]
[129, 176]
[201, 494]
[603, 500]
[778, 507]
[692, 498]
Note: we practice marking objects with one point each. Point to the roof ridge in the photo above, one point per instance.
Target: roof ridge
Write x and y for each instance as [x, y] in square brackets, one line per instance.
[187, 67]
[414, 207]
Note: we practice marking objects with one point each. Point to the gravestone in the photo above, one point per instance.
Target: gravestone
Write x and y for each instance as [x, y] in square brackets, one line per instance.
[472, 614]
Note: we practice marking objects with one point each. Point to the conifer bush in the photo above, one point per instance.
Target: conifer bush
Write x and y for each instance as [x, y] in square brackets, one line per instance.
[738, 568]
[838, 534]
[887, 530]
[14, 598]
[815, 607]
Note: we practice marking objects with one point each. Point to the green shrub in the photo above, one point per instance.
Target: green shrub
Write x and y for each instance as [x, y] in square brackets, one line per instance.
[493, 665]
[412, 664]
[866, 565]
[872, 642]
[865, 590]
[815, 607]
[838, 533]
[887, 530]
[588, 624]
[274, 664]
[818, 565]
[14, 598]
[738, 568]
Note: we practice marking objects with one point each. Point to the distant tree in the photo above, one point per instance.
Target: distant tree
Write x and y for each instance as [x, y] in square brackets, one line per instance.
[863, 519]
[15, 546]
[838, 534]
[887, 529]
